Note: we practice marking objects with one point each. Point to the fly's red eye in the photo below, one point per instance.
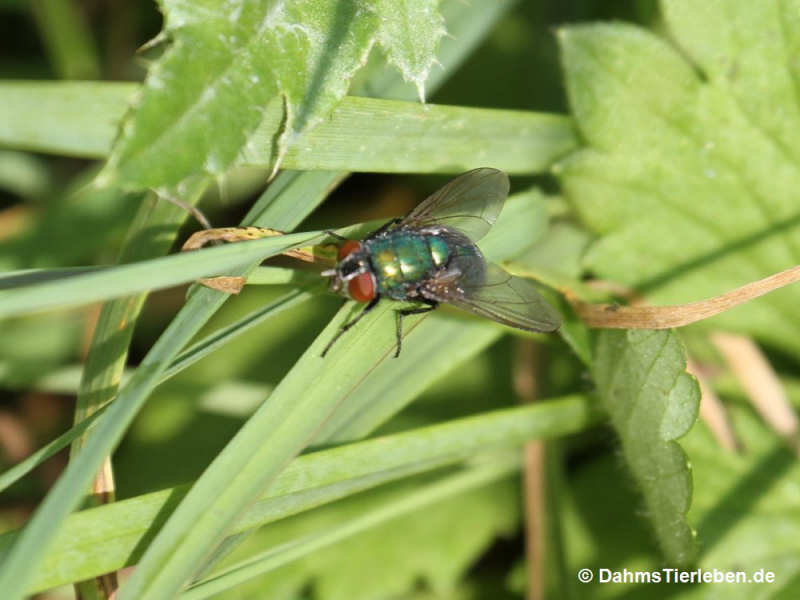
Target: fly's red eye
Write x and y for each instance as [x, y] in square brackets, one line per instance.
[361, 288]
[348, 248]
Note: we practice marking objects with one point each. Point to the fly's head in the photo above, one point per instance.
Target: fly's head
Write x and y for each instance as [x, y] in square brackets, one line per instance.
[352, 277]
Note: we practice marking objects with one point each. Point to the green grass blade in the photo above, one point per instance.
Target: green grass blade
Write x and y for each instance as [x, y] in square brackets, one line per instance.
[92, 542]
[67, 38]
[108, 353]
[69, 118]
[303, 401]
[414, 500]
[187, 358]
[230, 332]
[19, 567]
[363, 134]
[162, 272]
[24, 467]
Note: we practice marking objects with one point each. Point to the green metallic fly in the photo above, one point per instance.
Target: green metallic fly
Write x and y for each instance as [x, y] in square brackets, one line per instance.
[430, 257]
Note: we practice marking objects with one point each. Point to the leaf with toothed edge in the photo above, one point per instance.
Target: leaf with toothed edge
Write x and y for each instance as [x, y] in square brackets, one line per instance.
[691, 169]
[229, 59]
[652, 401]
[409, 33]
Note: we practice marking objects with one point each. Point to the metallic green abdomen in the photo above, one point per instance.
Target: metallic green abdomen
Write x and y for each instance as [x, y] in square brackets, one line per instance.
[402, 260]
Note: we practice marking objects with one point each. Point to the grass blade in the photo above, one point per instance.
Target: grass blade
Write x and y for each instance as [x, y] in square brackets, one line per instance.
[418, 498]
[75, 118]
[362, 134]
[299, 406]
[92, 542]
[19, 566]
[167, 271]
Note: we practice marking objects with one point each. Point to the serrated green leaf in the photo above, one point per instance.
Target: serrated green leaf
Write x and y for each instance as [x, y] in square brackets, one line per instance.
[227, 61]
[641, 378]
[409, 32]
[745, 508]
[687, 178]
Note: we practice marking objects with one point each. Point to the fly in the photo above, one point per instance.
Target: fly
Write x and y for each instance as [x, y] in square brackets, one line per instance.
[430, 257]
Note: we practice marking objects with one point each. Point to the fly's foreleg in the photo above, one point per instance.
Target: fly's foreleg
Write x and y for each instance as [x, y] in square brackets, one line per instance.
[372, 304]
[399, 314]
[385, 226]
[335, 235]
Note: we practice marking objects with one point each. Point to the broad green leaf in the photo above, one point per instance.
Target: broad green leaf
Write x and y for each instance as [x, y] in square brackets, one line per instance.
[689, 178]
[642, 381]
[226, 62]
[744, 509]
[92, 542]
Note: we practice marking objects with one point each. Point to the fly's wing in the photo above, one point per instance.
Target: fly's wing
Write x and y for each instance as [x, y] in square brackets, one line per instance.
[470, 204]
[495, 294]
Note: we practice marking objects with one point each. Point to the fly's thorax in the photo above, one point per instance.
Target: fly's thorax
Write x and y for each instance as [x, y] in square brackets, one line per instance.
[402, 259]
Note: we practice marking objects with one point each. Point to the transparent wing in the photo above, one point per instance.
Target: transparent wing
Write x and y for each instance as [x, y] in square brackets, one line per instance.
[495, 294]
[470, 203]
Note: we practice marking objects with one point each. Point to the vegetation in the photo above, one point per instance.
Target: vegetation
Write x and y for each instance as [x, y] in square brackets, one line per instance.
[652, 159]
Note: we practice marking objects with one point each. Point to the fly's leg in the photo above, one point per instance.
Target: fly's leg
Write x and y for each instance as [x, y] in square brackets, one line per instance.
[399, 314]
[384, 227]
[372, 304]
[335, 235]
